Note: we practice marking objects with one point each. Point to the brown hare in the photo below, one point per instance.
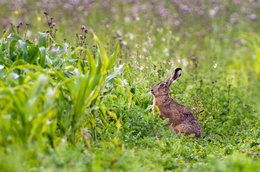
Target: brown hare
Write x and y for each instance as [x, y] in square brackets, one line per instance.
[180, 118]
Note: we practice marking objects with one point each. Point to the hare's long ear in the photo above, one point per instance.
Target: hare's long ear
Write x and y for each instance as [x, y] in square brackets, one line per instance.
[175, 75]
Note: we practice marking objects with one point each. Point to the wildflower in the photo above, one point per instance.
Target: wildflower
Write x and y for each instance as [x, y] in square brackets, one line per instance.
[39, 18]
[53, 24]
[20, 22]
[163, 39]
[215, 66]
[212, 12]
[166, 50]
[124, 42]
[252, 16]
[45, 13]
[80, 36]
[83, 27]
[184, 62]
[16, 12]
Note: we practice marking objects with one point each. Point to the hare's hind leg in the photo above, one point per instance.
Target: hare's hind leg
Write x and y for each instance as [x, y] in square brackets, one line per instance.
[185, 129]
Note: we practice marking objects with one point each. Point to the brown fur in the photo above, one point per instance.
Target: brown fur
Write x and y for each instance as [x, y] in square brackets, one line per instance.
[180, 118]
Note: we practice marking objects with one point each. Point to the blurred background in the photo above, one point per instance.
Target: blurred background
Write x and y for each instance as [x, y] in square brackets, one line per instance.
[214, 34]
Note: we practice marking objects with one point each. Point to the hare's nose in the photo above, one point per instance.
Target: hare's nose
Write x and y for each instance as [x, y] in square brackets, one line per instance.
[151, 90]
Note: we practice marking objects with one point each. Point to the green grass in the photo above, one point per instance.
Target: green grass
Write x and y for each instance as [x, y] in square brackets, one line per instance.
[84, 104]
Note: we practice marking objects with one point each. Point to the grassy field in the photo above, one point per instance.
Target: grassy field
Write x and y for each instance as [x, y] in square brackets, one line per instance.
[76, 78]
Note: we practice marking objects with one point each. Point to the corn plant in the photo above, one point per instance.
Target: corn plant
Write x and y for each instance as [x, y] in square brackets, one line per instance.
[45, 88]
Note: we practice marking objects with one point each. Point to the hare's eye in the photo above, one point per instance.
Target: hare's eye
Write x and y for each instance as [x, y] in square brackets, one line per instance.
[162, 85]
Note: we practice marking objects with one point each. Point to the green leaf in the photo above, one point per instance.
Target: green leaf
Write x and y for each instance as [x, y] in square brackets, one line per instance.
[14, 36]
[42, 42]
[112, 75]
[42, 56]
[33, 54]
[23, 47]
[112, 58]
[11, 49]
[37, 88]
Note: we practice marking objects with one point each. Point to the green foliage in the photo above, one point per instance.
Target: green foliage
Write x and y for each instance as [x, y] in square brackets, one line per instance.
[84, 105]
[33, 85]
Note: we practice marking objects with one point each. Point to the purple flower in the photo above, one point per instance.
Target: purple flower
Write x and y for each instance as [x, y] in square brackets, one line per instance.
[120, 39]
[80, 36]
[53, 24]
[20, 22]
[83, 27]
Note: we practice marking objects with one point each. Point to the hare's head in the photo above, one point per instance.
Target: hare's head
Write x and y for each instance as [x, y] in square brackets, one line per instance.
[162, 88]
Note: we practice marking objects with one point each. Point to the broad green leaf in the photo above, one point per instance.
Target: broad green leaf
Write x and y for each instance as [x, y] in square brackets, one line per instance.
[37, 88]
[42, 56]
[33, 53]
[23, 46]
[113, 74]
[42, 42]
[14, 36]
[11, 49]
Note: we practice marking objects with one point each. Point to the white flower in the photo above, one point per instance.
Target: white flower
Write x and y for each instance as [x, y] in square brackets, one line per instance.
[212, 12]
[215, 66]
[124, 42]
[163, 39]
[184, 62]
[127, 19]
